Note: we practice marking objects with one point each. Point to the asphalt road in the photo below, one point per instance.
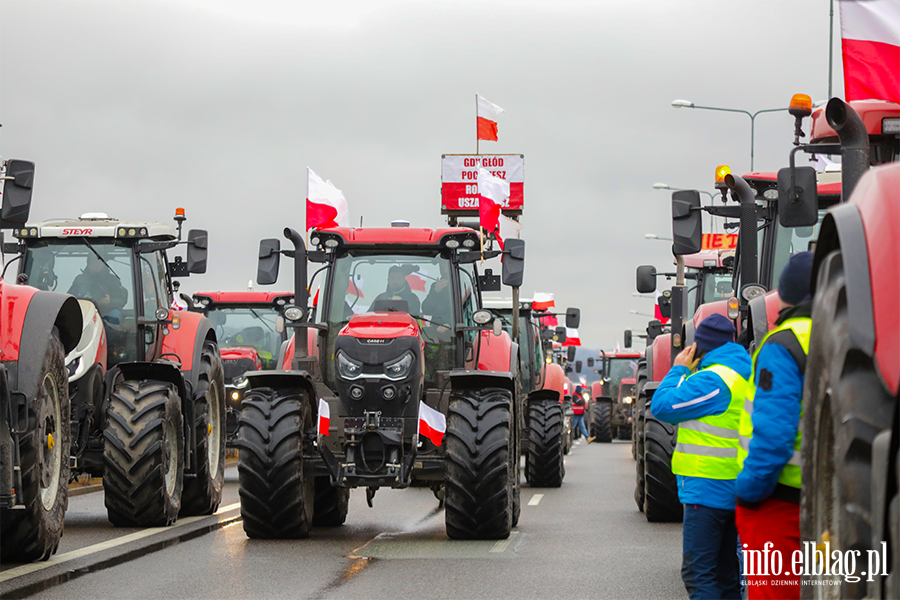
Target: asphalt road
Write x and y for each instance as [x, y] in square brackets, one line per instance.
[584, 540]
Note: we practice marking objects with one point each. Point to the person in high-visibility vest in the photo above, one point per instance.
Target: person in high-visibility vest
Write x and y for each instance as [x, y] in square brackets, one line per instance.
[703, 394]
[768, 485]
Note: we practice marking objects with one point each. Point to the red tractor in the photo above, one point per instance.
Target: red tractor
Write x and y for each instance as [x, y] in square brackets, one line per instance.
[145, 381]
[611, 412]
[404, 381]
[37, 329]
[251, 332]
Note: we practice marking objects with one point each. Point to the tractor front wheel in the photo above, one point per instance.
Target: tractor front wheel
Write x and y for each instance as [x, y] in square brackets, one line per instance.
[661, 504]
[545, 467]
[331, 504]
[601, 421]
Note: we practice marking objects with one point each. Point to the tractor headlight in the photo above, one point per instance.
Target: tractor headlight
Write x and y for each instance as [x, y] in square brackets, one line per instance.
[586, 396]
[400, 368]
[293, 313]
[241, 383]
[627, 399]
[348, 369]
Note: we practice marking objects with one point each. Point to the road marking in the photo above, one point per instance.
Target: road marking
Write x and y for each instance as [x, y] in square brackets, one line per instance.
[503, 544]
[113, 543]
[535, 500]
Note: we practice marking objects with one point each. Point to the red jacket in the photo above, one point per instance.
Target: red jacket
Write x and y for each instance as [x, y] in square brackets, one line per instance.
[578, 404]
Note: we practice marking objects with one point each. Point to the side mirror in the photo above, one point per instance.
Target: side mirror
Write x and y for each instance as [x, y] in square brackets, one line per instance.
[628, 338]
[269, 261]
[577, 366]
[513, 262]
[798, 207]
[570, 353]
[687, 227]
[560, 335]
[590, 361]
[573, 318]
[498, 327]
[646, 279]
[197, 250]
[17, 193]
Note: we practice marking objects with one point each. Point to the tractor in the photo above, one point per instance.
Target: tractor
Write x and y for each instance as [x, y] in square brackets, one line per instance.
[611, 412]
[402, 378]
[250, 329]
[544, 439]
[145, 381]
[37, 329]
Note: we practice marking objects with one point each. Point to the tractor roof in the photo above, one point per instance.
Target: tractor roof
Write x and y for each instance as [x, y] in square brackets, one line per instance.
[370, 237]
[242, 297]
[828, 184]
[624, 355]
[98, 225]
[872, 113]
[707, 259]
[505, 304]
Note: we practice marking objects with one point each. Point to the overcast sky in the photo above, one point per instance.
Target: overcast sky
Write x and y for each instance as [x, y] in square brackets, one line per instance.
[135, 108]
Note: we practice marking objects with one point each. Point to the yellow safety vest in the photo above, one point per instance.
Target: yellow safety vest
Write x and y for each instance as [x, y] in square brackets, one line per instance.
[790, 475]
[708, 446]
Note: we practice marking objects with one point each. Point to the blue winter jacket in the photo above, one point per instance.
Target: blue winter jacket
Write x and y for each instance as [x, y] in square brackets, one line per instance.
[776, 417]
[679, 399]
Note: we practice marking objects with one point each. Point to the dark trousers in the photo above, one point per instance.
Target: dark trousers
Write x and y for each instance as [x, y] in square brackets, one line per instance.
[709, 566]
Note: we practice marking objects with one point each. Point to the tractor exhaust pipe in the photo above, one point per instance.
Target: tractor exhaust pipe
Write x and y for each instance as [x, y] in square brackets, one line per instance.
[749, 247]
[854, 143]
[301, 293]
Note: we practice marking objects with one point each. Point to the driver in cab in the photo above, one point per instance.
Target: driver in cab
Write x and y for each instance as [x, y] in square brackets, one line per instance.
[101, 285]
[398, 289]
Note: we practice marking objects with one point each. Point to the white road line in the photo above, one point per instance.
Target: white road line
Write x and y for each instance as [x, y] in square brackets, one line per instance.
[503, 544]
[535, 500]
[87, 550]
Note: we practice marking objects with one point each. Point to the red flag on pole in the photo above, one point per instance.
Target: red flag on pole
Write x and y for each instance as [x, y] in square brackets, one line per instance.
[870, 33]
[325, 204]
[493, 193]
[487, 113]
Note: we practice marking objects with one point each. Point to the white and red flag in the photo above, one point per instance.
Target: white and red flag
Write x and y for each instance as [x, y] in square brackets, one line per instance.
[657, 313]
[324, 417]
[493, 193]
[870, 32]
[432, 423]
[572, 337]
[325, 204]
[487, 113]
[416, 282]
[542, 301]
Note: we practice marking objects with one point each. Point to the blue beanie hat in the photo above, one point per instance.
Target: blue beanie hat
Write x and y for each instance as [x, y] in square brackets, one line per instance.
[714, 331]
[793, 285]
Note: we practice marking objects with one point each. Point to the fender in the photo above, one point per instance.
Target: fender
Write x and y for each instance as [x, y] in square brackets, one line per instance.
[186, 343]
[469, 380]
[554, 379]
[661, 358]
[286, 355]
[159, 371]
[282, 380]
[597, 390]
[541, 395]
[497, 352]
[14, 301]
[45, 310]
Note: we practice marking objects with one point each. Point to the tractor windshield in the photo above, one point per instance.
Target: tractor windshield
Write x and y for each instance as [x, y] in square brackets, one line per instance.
[789, 242]
[252, 326]
[99, 271]
[619, 369]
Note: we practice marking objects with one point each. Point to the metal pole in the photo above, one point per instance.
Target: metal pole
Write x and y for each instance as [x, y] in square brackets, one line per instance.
[830, 44]
[515, 323]
[477, 141]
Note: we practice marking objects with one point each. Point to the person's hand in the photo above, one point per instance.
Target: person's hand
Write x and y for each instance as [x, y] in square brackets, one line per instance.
[104, 301]
[685, 358]
[440, 285]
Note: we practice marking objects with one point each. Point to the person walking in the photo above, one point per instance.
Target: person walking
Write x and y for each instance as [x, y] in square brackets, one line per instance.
[768, 485]
[703, 394]
[578, 406]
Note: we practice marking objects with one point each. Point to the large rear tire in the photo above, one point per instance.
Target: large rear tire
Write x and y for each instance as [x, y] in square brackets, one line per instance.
[143, 454]
[32, 533]
[845, 405]
[331, 504]
[203, 493]
[661, 504]
[545, 467]
[601, 421]
[480, 474]
[277, 497]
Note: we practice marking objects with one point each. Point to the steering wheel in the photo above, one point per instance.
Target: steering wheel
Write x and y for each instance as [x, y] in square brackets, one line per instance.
[88, 289]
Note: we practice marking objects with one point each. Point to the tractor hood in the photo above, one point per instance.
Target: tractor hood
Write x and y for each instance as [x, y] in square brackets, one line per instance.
[381, 326]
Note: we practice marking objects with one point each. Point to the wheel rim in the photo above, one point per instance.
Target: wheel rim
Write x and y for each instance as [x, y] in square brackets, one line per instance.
[214, 429]
[171, 458]
[51, 442]
[826, 494]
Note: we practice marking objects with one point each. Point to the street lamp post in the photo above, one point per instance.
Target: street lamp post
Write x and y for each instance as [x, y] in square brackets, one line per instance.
[653, 236]
[634, 312]
[689, 104]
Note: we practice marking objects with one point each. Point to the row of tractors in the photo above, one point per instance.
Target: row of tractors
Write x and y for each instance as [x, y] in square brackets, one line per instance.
[103, 375]
[851, 406]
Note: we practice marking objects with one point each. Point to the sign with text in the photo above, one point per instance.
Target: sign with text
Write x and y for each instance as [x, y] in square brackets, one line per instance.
[459, 180]
[719, 241]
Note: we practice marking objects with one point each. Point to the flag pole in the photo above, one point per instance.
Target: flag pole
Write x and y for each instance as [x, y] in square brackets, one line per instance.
[477, 142]
[481, 238]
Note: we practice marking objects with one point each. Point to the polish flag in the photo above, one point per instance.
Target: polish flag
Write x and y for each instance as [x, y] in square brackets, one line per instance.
[657, 314]
[870, 32]
[416, 282]
[324, 417]
[325, 204]
[542, 301]
[548, 321]
[355, 287]
[432, 424]
[487, 113]
[572, 337]
[493, 193]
